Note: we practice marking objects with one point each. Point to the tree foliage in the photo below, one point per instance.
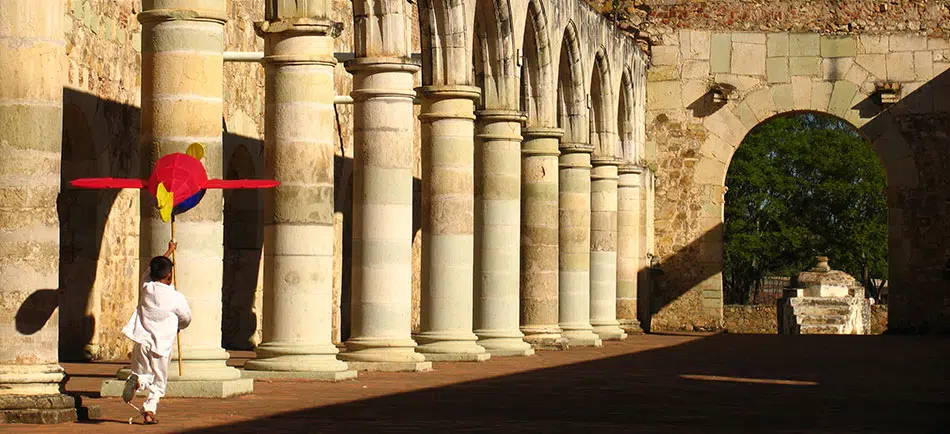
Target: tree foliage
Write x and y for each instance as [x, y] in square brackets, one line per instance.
[801, 186]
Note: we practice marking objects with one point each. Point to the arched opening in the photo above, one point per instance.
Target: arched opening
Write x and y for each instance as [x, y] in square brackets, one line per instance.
[802, 185]
[493, 56]
[601, 109]
[536, 98]
[571, 98]
[243, 239]
[628, 150]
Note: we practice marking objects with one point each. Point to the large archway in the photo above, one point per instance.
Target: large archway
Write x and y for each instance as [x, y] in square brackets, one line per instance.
[699, 115]
[801, 185]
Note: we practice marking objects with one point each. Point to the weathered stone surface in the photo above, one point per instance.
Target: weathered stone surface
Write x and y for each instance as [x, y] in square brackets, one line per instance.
[750, 319]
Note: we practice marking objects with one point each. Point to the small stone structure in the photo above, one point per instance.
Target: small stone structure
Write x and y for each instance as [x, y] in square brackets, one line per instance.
[824, 301]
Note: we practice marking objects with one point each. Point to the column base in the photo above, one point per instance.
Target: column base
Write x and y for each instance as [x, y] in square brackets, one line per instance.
[547, 338]
[391, 366]
[42, 409]
[329, 376]
[450, 347]
[504, 343]
[188, 388]
[583, 338]
[610, 331]
[631, 326]
[293, 358]
[386, 355]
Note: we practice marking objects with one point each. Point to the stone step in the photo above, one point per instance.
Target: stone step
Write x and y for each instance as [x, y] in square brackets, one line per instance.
[822, 320]
[822, 310]
[820, 329]
[821, 302]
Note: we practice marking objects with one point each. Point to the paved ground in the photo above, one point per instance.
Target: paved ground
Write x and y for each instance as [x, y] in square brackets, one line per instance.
[656, 383]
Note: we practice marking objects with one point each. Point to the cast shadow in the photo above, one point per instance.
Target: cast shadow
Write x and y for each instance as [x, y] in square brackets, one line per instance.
[722, 383]
[99, 138]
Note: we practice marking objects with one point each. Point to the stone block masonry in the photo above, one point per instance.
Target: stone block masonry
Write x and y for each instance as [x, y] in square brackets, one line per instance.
[776, 72]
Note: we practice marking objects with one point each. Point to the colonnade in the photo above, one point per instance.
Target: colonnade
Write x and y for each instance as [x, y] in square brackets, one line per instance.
[529, 241]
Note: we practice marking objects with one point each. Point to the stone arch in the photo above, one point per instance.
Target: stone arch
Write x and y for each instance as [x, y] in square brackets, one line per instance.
[729, 126]
[602, 124]
[881, 132]
[446, 46]
[571, 95]
[628, 150]
[537, 98]
[494, 55]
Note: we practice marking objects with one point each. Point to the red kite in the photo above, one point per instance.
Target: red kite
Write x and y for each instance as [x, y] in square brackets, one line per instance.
[178, 182]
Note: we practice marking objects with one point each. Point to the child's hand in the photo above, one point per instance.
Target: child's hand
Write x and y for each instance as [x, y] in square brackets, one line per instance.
[172, 246]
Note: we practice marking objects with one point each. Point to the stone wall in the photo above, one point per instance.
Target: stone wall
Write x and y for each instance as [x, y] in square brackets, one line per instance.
[763, 319]
[878, 319]
[779, 72]
[750, 318]
[99, 229]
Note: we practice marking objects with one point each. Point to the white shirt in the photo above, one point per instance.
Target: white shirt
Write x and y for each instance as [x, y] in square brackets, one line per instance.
[161, 312]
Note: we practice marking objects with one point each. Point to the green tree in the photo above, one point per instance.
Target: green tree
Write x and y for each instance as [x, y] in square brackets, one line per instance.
[800, 186]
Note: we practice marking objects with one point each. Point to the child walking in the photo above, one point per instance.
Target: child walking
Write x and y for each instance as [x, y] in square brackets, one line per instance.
[160, 313]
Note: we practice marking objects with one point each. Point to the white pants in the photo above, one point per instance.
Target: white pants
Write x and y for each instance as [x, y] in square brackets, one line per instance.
[152, 370]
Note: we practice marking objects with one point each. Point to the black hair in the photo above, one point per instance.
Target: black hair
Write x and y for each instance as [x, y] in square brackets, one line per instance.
[160, 268]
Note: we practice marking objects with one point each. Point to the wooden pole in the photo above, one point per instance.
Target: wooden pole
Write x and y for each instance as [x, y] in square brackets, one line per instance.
[175, 283]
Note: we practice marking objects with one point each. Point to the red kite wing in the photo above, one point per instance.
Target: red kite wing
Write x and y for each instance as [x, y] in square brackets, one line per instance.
[107, 183]
[241, 183]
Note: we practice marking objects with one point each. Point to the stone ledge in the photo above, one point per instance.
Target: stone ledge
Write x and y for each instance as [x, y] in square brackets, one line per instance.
[299, 375]
[511, 353]
[37, 409]
[189, 389]
[390, 366]
[457, 357]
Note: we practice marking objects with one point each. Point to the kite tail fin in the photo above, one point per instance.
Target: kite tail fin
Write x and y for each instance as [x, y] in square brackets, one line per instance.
[166, 202]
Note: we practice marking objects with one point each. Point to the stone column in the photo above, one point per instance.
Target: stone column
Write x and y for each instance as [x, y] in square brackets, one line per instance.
[539, 237]
[497, 227]
[603, 250]
[574, 244]
[448, 224]
[182, 103]
[628, 246]
[382, 216]
[298, 230]
[31, 121]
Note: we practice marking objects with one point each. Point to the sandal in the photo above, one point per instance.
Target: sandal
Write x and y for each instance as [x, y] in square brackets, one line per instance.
[131, 385]
[149, 418]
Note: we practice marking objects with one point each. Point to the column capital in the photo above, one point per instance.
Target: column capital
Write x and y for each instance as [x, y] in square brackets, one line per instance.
[603, 169]
[449, 91]
[542, 133]
[494, 115]
[605, 161]
[576, 148]
[319, 26]
[629, 176]
[499, 125]
[448, 102]
[630, 168]
[159, 15]
[541, 141]
[382, 64]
